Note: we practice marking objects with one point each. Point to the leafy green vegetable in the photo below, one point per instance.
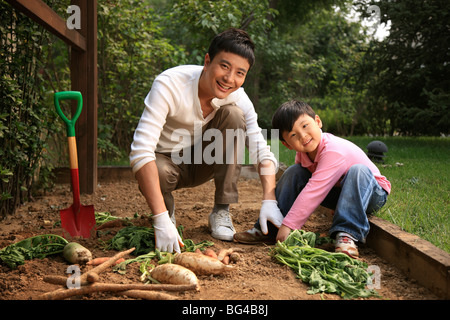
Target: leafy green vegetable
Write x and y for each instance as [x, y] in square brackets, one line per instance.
[141, 238]
[30, 248]
[324, 271]
[146, 259]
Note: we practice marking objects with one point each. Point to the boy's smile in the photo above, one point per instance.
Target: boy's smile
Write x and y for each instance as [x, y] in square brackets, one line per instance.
[223, 75]
[305, 135]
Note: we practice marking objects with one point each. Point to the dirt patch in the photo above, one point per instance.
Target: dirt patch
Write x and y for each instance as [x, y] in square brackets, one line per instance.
[257, 277]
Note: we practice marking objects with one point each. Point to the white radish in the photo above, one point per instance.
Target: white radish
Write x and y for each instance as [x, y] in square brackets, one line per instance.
[75, 253]
[174, 274]
[201, 264]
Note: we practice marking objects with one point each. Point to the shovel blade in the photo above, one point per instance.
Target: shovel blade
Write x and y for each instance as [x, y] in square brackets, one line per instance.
[76, 224]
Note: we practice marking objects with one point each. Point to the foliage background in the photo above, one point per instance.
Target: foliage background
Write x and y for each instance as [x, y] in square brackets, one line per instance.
[307, 50]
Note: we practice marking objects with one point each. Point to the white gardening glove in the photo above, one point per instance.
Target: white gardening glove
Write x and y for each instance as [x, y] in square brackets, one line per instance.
[167, 237]
[270, 212]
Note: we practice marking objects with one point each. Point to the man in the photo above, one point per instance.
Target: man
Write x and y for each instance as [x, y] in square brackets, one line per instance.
[186, 107]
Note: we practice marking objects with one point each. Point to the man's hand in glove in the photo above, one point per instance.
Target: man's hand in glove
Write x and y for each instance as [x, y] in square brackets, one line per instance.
[270, 212]
[167, 237]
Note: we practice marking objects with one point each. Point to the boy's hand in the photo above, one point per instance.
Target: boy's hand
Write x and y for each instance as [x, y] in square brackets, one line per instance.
[283, 233]
[270, 212]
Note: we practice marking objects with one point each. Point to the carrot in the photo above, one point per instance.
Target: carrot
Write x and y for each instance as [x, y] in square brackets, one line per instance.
[201, 264]
[226, 260]
[223, 253]
[174, 274]
[210, 252]
[62, 280]
[105, 265]
[147, 295]
[63, 293]
[227, 252]
[100, 260]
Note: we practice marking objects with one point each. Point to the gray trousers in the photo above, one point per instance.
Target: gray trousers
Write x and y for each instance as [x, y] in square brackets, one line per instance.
[225, 173]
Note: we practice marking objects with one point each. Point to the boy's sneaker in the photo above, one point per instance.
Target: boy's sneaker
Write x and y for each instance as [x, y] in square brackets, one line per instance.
[346, 244]
[221, 225]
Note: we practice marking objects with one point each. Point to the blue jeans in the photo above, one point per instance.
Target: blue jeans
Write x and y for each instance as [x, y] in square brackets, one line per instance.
[359, 195]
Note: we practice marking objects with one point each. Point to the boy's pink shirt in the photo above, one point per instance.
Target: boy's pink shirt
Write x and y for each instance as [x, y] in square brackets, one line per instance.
[334, 158]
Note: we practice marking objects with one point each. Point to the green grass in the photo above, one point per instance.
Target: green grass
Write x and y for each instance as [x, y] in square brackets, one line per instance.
[418, 169]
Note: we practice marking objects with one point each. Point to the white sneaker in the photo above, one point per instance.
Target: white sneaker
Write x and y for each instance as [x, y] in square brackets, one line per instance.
[345, 243]
[221, 225]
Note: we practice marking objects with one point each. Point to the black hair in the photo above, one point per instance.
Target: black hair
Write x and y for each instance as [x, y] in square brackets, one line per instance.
[233, 40]
[286, 115]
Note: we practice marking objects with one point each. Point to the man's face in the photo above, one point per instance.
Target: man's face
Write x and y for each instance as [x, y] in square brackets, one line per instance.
[224, 74]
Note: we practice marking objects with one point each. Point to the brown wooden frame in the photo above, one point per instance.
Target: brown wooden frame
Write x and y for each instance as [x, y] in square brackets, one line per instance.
[83, 70]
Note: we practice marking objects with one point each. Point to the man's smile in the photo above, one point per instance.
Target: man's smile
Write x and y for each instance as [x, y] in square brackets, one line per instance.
[224, 87]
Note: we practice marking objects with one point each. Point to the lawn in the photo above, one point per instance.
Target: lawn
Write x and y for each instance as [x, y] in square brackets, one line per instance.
[418, 169]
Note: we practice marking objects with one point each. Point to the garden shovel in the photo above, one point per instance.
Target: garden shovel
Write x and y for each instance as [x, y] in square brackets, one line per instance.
[77, 220]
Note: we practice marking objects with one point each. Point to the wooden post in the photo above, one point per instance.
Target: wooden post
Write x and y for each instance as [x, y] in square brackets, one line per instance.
[83, 67]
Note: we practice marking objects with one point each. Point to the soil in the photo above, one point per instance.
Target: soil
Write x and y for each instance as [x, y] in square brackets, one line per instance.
[257, 275]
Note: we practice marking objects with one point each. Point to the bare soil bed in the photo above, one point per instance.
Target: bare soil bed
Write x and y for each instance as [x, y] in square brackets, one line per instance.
[257, 276]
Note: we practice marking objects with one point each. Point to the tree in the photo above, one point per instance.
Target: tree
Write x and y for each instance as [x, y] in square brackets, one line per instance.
[131, 52]
[411, 67]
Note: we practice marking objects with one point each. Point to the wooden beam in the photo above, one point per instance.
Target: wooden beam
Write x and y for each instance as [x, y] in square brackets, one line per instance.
[83, 66]
[49, 19]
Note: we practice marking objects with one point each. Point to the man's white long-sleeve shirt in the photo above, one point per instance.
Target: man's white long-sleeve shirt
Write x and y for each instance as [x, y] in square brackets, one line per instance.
[172, 112]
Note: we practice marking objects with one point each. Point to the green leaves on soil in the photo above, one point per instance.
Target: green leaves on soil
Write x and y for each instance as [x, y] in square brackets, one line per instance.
[325, 272]
[39, 246]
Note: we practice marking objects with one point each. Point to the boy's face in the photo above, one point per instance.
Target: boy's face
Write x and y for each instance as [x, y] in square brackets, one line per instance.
[224, 74]
[305, 135]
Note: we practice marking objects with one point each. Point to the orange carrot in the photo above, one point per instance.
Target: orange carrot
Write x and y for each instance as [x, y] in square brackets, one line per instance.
[100, 260]
[210, 252]
[226, 260]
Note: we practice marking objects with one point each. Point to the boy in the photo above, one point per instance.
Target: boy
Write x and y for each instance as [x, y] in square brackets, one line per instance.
[185, 104]
[328, 171]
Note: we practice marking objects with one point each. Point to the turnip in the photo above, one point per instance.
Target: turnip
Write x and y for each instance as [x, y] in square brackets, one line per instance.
[75, 253]
[201, 264]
